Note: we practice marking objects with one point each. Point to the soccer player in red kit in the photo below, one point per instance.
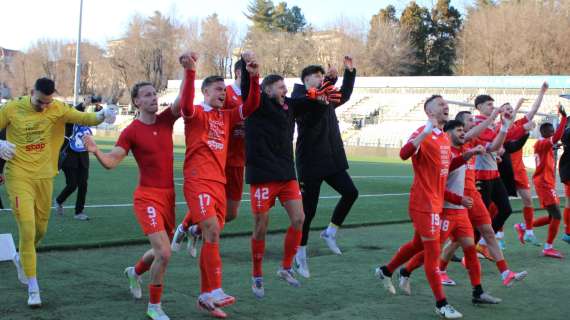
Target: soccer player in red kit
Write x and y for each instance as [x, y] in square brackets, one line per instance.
[207, 130]
[455, 220]
[149, 138]
[520, 174]
[544, 182]
[429, 149]
[236, 149]
[478, 213]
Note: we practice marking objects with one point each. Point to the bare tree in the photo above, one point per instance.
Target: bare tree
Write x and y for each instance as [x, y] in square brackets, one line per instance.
[389, 51]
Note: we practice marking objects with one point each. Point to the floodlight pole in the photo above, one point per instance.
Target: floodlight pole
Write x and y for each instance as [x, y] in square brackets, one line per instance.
[78, 58]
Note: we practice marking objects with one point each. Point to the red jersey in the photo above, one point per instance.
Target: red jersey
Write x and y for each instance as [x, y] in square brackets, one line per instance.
[207, 131]
[544, 175]
[470, 172]
[486, 164]
[431, 165]
[236, 147]
[152, 147]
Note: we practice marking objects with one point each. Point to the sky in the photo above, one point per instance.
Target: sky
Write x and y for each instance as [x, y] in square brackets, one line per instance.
[107, 19]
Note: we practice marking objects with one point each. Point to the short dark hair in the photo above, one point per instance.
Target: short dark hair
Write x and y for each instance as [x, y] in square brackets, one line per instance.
[460, 116]
[482, 98]
[135, 90]
[45, 86]
[452, 124]
[269, 80]
[210, 80]
[430, 99]
[544, 126]
[312, 69]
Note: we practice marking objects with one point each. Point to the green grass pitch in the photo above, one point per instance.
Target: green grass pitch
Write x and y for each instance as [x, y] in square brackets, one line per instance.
[89, 284]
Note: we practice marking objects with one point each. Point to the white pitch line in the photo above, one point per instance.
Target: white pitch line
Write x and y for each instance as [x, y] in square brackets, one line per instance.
[122, 205]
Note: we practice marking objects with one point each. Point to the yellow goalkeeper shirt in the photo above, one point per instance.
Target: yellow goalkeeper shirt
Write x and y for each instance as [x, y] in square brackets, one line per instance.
[38, 136]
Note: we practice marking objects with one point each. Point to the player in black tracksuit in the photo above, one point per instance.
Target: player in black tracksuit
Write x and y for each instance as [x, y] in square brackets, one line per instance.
[320, 156]
[270, 170]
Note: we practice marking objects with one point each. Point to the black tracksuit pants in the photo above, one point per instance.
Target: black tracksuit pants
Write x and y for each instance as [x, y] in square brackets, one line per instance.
[75, 178]
[494, 191]
[311, 188]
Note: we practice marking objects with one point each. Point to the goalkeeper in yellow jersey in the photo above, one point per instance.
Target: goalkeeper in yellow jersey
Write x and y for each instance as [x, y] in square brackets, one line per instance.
[35, 127]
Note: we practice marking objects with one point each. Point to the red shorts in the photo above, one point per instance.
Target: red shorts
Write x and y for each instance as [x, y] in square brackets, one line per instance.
[205, 199]
[234, 184]
[155, 209]
[263, 195]
[427, 225]
[478, 214]
[547, 196]
[521, 179]
[455, 224]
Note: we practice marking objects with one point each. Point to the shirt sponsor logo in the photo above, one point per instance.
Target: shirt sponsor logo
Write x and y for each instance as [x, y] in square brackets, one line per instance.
[35, 147]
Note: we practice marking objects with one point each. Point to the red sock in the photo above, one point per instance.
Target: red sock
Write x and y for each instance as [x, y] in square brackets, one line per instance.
[415, 262]
[493, 210]
[290, 245]
[141, 267]
[443, 265]
[431, 260]
[473, 266]
[204, 282]
[405, 253]
[567, 220]
[528, 213]
[155, 291]
[212, 264]
[542, 221]
[552, 230]
[257, 251]
[502, 266]
[186, 223]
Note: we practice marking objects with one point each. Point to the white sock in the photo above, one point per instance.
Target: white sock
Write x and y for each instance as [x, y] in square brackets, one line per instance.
[302, 252]
[529, 232]
[33, 285]
[482, 242]
[331, 229]
[500, 235]
[548, 246]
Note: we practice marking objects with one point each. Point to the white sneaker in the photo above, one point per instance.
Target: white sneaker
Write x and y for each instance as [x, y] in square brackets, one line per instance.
[405, 284]
[81, 217]
[179, 236]
[134, 282]
[194, 237]
[155, 312]
[257, 287]
[331, 242]
[288, 276]
[21, 275]
[448, 312]
[301, 266]
[206, 303]
[34, 300]
[221, 299]
[58, 209]
[386, 281]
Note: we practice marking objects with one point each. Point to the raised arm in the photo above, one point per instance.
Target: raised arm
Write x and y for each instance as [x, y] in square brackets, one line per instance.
[108, 160]
[560, 130]
[188, 61]
[348, 80]
[413, 144]
[497, 143]
[253, 97]
[478, 129]
[530, 114]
